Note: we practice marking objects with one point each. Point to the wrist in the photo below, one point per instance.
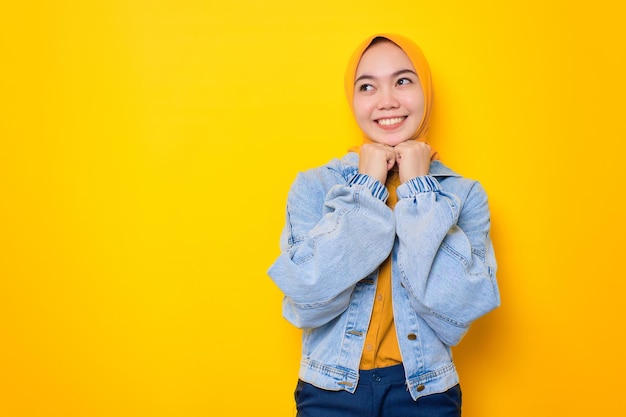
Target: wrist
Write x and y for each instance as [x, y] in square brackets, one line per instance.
[376, 187]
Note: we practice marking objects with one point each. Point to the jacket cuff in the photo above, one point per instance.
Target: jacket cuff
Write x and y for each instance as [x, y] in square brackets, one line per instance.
[418, 185]
[377, 189]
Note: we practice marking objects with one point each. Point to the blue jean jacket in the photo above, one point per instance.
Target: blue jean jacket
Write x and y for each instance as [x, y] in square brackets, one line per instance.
[337, 233]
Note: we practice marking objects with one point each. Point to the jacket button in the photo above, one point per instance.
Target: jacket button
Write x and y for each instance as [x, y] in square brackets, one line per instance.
[412, 336]
[420, 388]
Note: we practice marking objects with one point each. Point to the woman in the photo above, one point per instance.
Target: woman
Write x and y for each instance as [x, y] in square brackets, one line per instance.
[386, 254]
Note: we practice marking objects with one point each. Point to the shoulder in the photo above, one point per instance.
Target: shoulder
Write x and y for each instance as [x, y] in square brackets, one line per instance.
[453, 182]
[311, 186]
[336, 171]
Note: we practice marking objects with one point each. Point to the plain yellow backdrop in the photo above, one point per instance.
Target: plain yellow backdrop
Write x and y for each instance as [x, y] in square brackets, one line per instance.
[146, 149]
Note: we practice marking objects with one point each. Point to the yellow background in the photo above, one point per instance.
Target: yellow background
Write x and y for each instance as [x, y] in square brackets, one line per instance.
[147, 146]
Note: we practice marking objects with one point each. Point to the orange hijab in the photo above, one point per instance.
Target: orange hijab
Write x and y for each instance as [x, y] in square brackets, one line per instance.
[421, 67]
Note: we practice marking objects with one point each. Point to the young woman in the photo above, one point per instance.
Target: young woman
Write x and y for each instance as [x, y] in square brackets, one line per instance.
[386, 254]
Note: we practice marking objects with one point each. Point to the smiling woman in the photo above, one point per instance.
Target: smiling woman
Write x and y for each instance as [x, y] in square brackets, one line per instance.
[386, 255]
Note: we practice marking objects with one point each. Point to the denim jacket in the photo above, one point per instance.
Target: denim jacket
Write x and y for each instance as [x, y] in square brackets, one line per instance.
[339, 230]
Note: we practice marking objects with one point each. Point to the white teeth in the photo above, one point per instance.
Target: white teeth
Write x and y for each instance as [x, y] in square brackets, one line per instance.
[391, 121]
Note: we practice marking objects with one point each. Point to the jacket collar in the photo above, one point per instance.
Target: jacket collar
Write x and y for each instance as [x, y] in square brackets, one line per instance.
[438, 169]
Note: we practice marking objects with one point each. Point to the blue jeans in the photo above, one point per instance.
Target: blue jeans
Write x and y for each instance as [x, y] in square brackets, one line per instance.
[380, 393]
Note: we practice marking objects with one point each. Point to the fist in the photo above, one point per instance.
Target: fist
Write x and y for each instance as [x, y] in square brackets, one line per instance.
[413, 159]
[376, 160]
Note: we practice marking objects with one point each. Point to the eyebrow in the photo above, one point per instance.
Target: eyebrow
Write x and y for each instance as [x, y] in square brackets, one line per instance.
[394, 75]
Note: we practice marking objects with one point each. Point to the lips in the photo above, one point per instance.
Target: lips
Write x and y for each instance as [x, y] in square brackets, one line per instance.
[390, 122]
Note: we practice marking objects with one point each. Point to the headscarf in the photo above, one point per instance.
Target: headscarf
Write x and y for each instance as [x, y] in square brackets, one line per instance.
[421, 67]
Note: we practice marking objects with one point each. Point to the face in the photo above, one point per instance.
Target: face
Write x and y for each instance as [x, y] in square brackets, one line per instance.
[388, 98]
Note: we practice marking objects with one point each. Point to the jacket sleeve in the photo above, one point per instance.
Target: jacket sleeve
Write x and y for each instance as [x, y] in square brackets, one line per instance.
[445, 255]
[331, 240]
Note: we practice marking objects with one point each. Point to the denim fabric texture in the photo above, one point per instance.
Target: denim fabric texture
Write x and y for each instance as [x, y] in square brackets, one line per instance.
[339, 230]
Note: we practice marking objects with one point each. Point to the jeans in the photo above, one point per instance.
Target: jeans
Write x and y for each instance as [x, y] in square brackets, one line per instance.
[380, 393]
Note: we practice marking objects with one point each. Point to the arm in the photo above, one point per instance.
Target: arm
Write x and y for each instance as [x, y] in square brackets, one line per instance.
[331, 241]
[446, 257]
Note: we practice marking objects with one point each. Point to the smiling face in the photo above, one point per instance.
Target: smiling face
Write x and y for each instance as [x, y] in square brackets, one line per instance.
[388, 99]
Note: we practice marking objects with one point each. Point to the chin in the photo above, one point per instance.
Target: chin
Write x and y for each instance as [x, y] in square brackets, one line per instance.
[394, 141]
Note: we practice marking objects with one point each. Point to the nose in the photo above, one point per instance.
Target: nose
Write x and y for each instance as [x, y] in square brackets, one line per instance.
[387, 99]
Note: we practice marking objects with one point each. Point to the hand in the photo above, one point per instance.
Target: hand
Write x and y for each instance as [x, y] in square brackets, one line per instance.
[376, 160]
[413, 159]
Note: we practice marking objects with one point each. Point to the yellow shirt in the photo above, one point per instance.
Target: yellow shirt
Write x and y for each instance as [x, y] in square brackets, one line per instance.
[381, 342]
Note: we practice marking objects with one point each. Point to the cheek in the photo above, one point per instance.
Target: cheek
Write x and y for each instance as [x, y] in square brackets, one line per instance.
[415, 102]
[362, 109]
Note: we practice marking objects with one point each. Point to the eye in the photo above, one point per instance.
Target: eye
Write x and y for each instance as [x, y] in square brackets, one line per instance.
[404, 81]
[366, 87]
